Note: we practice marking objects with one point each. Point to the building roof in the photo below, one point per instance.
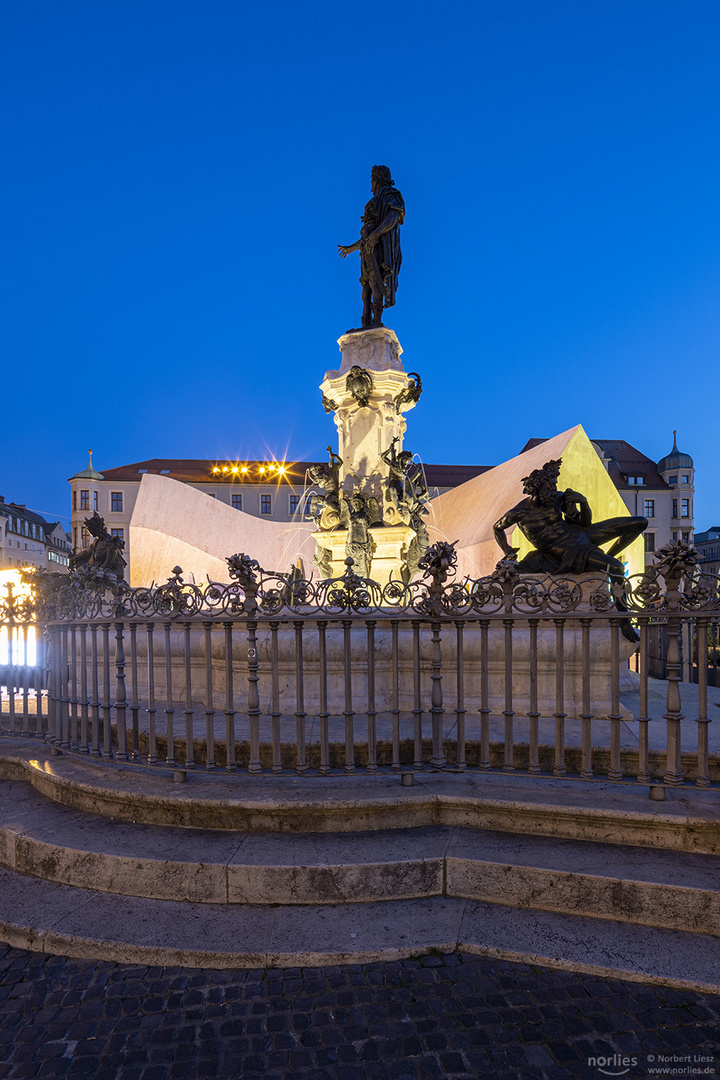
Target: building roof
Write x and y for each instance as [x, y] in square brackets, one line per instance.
[207, 471]
[18, 510]
[711, 534]
[89, 473]
[624, 460]
[675, 459]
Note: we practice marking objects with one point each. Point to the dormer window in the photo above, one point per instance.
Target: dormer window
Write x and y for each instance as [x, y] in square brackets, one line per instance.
[672, 479]
[685, 478]
[638, 481]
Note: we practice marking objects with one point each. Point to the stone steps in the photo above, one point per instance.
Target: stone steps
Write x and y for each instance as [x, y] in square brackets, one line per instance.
[61, 920]
[587, 876]
[689, 820]
[43, 839]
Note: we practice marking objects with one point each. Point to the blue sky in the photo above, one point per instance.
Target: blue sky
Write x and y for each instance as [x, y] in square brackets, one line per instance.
[178, 174]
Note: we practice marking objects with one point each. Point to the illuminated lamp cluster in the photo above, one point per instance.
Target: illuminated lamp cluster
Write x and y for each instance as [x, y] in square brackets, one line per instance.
[268, 469]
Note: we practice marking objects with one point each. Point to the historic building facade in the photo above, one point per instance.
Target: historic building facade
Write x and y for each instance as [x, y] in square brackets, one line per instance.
[27, 539]
[661, 491]
[276, 490]
[708, 546]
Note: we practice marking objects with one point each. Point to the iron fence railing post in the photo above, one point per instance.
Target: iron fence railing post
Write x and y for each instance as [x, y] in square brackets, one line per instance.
[189, 712]
[169, 699]
[120, 693]
[230, 765]
[135, 703]
[371, 710]
[438, 760]
[107, 697]
[508, 711]
[324, 714]
[349, 765]
[485, 762]
[586, 716]
[559, 768]
[533, 712]
[254, 764]
[703, 768]
[395, 694]
[151, 709]
[460, 710]
[277, 765]
[643, 776]
[209, 701]
[615, 770]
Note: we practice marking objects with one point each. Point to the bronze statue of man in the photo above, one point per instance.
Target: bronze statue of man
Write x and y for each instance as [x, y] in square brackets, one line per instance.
[559, 524]
[379, 246]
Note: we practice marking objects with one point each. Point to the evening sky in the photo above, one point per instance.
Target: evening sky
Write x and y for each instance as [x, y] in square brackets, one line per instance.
[177, 176]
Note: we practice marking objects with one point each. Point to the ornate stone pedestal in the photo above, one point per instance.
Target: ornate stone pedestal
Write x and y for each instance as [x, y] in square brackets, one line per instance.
[390, 545]
[369, 393]
[367, 424]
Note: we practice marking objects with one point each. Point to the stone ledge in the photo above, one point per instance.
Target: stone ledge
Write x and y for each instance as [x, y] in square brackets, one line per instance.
[50, 842]
[59, 920]
[509, 802]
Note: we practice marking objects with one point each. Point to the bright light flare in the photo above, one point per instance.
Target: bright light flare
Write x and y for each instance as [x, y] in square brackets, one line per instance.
[18, 645]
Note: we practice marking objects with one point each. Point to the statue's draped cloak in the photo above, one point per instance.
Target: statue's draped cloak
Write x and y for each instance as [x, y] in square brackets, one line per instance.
[382, 267]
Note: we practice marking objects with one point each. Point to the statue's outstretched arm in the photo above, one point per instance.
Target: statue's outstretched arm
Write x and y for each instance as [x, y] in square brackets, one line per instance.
[347, 249]
[499, 531]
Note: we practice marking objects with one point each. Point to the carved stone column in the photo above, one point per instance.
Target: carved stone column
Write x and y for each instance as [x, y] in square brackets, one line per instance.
[367, 424]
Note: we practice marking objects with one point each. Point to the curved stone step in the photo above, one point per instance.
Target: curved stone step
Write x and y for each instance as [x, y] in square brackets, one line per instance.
[57, 919]
[689, 820]
[55, 843]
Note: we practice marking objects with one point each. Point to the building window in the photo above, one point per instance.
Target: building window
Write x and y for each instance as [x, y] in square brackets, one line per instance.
[685, 508]
[649, 508]
[636, 480]
[237, 502]
[84, 500]
[116, 502]
[265, 504]
[120, 533]
[674, 536]
[674, 507]
[649, 541]
[672, 480]
[74, 500]
[95, 501]
[308, 506]
[212, 494]
[84, 538]
[686, 537]
[75, 537]
[294, 503]
[685, 479]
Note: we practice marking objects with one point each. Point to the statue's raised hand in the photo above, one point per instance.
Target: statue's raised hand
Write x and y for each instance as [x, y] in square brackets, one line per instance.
[343, 251]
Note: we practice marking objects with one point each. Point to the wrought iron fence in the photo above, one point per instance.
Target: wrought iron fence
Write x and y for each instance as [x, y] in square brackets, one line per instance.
[270, 673]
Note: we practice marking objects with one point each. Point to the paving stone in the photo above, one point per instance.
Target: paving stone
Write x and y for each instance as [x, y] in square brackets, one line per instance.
[457, 1015]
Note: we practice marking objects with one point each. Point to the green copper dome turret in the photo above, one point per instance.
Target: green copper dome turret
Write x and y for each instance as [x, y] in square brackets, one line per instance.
[89, 473]
[675, 459]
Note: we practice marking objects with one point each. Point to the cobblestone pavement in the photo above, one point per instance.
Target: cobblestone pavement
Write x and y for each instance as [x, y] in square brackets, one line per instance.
[452, 1016]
